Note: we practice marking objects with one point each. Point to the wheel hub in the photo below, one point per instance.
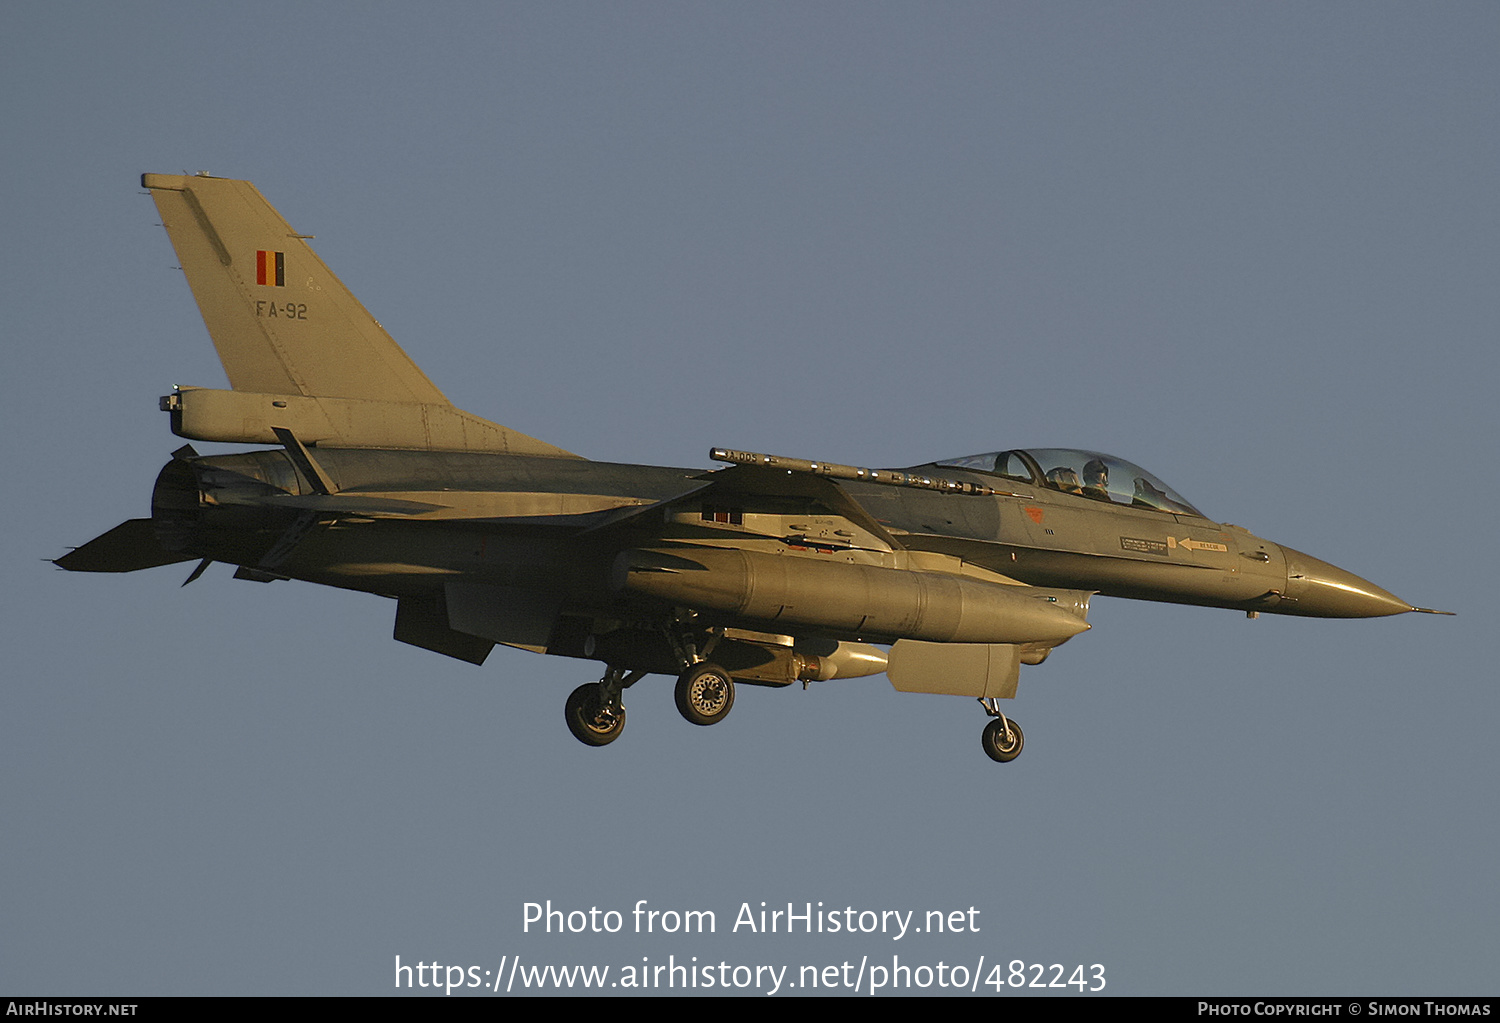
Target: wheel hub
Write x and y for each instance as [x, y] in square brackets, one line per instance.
[708, 694]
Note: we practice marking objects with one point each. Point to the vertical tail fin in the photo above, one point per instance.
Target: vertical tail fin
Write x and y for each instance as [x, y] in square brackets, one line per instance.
[301, 353]
[281, 321]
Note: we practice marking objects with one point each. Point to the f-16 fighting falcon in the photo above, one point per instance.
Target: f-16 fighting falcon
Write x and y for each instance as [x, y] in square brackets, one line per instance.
[947, 577]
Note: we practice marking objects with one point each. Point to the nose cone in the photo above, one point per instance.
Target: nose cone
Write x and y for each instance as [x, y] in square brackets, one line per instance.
[1319, 590]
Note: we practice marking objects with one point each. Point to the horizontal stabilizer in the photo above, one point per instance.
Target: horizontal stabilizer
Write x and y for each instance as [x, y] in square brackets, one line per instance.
[129, 547]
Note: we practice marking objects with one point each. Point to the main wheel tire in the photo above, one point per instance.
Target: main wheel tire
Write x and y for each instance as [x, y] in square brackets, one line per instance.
[1000, 747]
[705, 694]
[589, 722]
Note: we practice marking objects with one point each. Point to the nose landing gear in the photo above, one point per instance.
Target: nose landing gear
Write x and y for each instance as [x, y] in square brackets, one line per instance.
[1002, 738]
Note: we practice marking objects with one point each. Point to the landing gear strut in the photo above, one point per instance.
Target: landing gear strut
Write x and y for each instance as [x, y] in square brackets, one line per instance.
[595, 712]
[705, 691]
[1002, 738]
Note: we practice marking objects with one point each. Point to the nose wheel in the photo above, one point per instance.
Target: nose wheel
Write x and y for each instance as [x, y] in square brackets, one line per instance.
[1002, 738]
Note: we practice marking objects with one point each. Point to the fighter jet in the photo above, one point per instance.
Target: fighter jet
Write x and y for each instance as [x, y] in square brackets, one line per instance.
[947, 577]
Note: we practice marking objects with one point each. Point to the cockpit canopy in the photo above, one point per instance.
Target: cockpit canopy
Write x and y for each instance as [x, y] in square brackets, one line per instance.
[1084, 473]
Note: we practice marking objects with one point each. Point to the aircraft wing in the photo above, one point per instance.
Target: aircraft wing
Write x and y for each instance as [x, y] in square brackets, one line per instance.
[621, 515]
[756, 480]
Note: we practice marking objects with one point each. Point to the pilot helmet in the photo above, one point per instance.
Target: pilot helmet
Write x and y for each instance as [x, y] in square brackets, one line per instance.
[1064, 479]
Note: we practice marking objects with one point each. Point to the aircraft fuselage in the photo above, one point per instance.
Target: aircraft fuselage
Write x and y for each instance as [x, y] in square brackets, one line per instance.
[543, 522]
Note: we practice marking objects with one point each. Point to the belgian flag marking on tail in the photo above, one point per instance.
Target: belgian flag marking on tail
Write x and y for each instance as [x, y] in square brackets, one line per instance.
[270, 268]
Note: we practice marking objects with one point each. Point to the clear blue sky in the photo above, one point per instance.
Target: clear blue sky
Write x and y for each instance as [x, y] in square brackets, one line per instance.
[1251, 247]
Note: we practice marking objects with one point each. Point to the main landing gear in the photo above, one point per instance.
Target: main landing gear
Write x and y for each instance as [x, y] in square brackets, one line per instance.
[1002, 738]
[596, 711]
[705, 694]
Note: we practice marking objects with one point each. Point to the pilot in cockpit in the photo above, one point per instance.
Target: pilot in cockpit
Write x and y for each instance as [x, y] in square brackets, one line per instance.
[1096, 480]
[1064, 479]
